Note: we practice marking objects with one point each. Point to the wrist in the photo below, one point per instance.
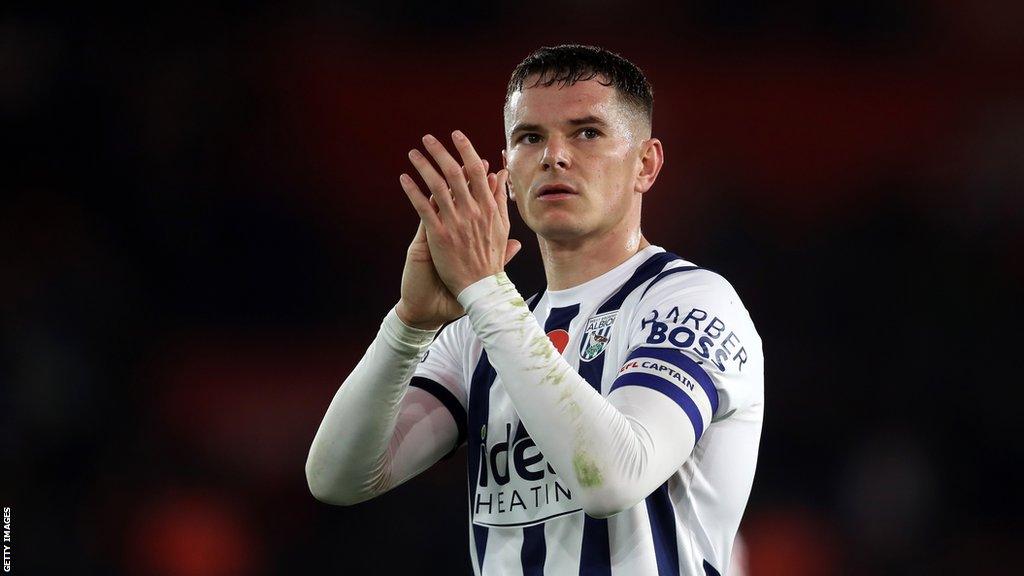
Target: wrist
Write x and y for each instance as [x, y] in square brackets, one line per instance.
[404, 339]
[411, 321]
[459, 285]
[487, 289]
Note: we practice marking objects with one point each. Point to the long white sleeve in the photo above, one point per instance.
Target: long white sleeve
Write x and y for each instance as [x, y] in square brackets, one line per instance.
[613, 452]
[378, 432]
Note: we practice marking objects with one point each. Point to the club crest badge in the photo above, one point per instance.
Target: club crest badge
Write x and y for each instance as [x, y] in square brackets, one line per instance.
[596, 335]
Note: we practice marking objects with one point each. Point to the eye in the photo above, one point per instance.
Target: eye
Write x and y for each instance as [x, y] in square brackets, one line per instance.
[530, 138]
[590, 133]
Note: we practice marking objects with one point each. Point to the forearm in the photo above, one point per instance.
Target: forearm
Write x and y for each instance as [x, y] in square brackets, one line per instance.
[349, 459]
[605, 454]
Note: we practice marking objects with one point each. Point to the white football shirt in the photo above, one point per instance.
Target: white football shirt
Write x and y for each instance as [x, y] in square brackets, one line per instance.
[655, 331]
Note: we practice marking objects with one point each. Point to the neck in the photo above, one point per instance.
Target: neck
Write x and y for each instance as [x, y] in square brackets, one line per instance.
[570, 263]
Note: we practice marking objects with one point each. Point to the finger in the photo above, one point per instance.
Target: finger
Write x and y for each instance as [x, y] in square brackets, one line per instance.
[511, 249]
[492, 181]
[451, 169]
[500, 197]
[419, 202]
[474, 167]
[466, 174]
[434, 181]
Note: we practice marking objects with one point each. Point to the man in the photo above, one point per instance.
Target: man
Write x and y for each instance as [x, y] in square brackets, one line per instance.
[612, 421]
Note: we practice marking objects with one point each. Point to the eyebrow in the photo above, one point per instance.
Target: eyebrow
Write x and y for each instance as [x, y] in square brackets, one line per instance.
[571, 122]
[587, 120]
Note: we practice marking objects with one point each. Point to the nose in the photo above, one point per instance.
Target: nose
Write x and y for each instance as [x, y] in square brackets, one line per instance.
[555, 155]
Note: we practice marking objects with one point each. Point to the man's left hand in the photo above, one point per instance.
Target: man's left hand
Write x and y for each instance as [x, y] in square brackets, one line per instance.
[468, 231]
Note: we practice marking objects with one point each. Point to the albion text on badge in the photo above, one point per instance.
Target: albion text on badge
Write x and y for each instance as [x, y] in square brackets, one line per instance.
[596, 335]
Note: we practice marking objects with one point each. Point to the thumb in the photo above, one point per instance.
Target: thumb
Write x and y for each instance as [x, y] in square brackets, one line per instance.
[421, 232]
[511, 249]
[421, 242]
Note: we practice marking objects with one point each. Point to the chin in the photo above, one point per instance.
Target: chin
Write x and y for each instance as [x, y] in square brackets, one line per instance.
[559, 229]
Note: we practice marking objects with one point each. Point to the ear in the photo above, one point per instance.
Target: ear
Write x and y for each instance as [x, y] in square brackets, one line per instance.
[652, 157]
[508, 181]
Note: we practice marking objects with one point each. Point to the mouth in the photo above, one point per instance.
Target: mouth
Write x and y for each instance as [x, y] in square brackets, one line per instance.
[555, 192]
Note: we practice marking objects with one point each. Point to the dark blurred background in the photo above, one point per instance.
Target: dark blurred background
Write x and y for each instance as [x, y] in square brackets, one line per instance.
[202, 229]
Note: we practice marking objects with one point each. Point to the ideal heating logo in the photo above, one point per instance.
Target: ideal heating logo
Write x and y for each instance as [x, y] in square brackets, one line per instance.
[514, 477]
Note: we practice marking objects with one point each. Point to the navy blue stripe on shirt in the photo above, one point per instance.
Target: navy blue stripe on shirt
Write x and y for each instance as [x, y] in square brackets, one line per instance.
[534, 551]
[532, 301]
[559, 318]
[450, 402]
[668, 272]
[643, 273]
[668, 389]
[479, 407]
[685, 364]
[596, 551]
[663, 531]
[709, 570]
[480, 538]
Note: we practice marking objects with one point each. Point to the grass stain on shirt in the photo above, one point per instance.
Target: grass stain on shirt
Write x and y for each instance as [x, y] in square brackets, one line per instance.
[587, 472]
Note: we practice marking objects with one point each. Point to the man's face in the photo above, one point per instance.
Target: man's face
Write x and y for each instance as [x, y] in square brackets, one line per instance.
[582, 138]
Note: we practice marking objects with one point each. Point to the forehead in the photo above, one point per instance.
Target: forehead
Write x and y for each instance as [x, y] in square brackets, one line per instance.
[556, 103]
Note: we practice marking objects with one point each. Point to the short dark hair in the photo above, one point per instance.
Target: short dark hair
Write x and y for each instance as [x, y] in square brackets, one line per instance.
[571, 63]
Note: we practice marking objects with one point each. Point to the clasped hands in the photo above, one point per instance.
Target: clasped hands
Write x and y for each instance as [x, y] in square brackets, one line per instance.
[463, 231]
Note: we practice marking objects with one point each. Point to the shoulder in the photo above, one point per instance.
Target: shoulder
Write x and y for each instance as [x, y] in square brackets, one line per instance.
[682, 282]
[698, 313]
[697, 310]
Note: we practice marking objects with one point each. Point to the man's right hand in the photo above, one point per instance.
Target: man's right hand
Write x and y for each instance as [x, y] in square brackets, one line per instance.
[426, 302]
